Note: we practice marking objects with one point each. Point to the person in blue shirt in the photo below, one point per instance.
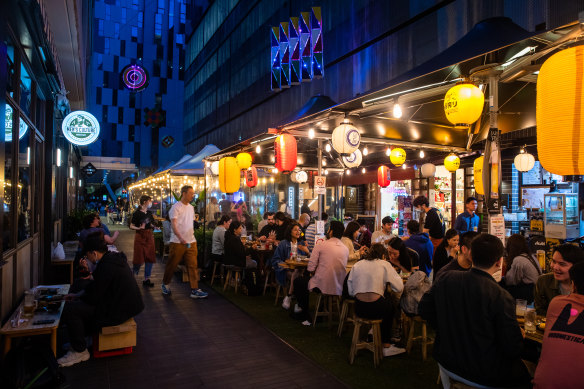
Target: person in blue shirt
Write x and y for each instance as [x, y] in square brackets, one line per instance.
[420, 243]
[468, 220]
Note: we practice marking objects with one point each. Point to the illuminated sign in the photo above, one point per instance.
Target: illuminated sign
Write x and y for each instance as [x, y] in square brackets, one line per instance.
[23, 127]
[135, 77]
[80, 128]
[291, 200]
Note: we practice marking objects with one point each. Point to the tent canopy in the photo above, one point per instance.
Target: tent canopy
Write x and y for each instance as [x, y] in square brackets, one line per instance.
[194, 165]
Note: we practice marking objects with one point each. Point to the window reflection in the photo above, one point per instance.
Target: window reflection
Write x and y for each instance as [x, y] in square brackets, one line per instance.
[11, 68]
[24, 185]
[7, 207]
[25, 90]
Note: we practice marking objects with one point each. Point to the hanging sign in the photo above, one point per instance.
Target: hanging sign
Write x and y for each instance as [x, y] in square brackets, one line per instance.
[23, 127]
[80, 128]
[320, 227]
[135, 78]
[320, 185]
[89, 170]
[497, 226]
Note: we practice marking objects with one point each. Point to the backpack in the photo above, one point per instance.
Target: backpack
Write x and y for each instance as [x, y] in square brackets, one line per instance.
[31, 364]
[416, 286]
[252, 282]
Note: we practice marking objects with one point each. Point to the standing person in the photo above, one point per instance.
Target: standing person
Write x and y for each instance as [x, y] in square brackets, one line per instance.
[125, 210]
[213, 210]
[522, 268]
[365, 235]
[434, 224]
[328, 261]
[446, 250]
[420, 243]
[218, 240]
[478, 340]
[240, 209]
[462, 261]
[182, 243]
[384, 235]
[558, 281]
[303, 220]
[144, 251]
[348, 239]
[562, 346]
[305, 208]
[468, 220]
[225, 206]
[367, 282]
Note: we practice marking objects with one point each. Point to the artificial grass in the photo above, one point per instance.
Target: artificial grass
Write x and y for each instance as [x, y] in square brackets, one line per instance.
[322, 345]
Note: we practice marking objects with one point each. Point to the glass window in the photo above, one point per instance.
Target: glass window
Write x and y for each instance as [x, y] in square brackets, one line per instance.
[140, 19]
[100, 27]
[11, 67]
[24, 188]
[117, 30]
[25, 90]
[38, 183]
[123, 16]
[8, 208]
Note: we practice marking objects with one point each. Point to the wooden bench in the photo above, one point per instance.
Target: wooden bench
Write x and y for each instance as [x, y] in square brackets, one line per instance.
[115, 340]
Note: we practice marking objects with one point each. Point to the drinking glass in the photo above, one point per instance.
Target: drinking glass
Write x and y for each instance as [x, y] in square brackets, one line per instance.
[530, 318]
[30, 304]
[520, 307]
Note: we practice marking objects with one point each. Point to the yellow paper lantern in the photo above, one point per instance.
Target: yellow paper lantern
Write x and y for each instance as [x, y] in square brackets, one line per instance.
[560, 112]
[229, 175]
[452, 163]
[243, 160]
[463, 104]
[397, 156]
[478, 175]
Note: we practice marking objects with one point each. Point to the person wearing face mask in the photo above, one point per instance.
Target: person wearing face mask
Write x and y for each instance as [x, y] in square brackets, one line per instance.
[478, 340]
[557, 282]
[144, 250]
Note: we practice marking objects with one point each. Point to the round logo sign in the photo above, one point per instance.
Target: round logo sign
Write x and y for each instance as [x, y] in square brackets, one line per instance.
[80, 128]
[353, 137]
[135, 77]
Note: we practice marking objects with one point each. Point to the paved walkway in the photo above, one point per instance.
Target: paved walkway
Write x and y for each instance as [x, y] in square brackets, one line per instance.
[186, 343]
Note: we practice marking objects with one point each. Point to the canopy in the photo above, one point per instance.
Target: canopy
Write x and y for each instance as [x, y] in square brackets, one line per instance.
[194, 165]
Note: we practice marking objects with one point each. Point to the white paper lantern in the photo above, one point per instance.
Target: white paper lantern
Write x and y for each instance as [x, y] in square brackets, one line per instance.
[293, 177]
[524, 162]
[215, 168]
[346, 139]
[301, 177]
[354, 159]
[428, 170]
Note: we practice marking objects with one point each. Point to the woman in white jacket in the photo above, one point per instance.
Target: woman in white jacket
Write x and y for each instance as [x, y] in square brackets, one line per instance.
[367, 282]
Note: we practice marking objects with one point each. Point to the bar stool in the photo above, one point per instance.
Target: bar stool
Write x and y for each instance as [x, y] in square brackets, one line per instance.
[375, 347]
[348, 304]
[425, 340]
[233, 272]
[327, 307]
[221, 271]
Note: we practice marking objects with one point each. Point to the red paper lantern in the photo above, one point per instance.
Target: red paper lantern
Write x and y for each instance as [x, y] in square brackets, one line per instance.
[285, 152]
[383, 176]
[251, 177]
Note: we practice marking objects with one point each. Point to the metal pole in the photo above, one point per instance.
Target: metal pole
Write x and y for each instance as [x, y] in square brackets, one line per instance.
[320, 197]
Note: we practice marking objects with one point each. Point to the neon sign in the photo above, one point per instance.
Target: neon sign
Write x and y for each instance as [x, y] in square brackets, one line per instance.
[80, 128]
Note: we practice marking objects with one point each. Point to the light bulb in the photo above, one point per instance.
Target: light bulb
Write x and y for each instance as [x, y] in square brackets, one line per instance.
[326, 172]
[387, 152]
[327, 147]
[397, 111]
[404, 166]
[365, 150]
[311, 133]
[422, 154]
[323, 162]
[348, 172]
[258, 149]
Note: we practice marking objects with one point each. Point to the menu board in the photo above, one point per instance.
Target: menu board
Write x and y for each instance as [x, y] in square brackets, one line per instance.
[532, 177]
[532, 197]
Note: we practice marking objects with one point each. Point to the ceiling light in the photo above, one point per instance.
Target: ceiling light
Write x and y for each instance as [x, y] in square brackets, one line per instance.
[326, 172]
[258, 149]
[365, 150]
[327, 147]
[363, 170]
[348, 172]
[422, 154]
[397, 111]
[387, 152]
[404, 166]
[311, 133]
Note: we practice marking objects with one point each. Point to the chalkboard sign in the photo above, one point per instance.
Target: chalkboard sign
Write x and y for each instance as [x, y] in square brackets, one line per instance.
[370, 221]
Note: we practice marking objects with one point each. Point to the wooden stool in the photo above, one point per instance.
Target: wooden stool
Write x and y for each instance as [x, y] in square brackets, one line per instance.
[327, 307]
[221, 270]
[347, 304]
[232, 272]
[424, 338]
[375, 347]
[268, 278]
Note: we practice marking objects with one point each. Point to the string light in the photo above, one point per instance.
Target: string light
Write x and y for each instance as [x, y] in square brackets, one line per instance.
[311, 133]
[397, 111]
[387, 152]
[327, 147]
[365, 150]
[363, 170]
[323, 162]
[348, 172]
[258, 149]
[422, 154]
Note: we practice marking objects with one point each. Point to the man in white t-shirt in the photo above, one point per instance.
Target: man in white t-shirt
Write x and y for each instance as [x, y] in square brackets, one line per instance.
[183, 243]
[384, 235]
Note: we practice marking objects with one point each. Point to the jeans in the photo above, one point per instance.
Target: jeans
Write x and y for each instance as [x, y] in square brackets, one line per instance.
[378, 309]
[147, 269]
[78, 316]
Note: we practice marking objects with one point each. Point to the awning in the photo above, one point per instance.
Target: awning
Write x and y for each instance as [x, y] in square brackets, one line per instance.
[195, 165]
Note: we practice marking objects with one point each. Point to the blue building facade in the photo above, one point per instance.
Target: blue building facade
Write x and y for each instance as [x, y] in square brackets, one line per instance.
[151, 35]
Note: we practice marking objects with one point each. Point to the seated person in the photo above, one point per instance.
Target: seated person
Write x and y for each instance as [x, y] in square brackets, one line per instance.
[92, 224]
[291, 246]
[235, 252]
[562, 346]
[112, 298]
[404, 259]
[218, 240]
[384, 235]
[364, 234]
[282, 222]
[522, 268]
[463, 260]
[268, 231]
[348, 239]
[446, 251]
[558, 281]
[420, 243]
[328, 261]
[367, 283]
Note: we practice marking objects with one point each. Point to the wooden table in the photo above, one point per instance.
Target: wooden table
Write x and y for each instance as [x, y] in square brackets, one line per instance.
[29, 329]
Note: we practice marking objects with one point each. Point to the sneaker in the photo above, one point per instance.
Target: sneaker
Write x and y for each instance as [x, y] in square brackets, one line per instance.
[306, 323]
[198, 294]
[166, 289]
[286, 302]
[147, 283]
[393, 350]
[297, 309]
[72, 357]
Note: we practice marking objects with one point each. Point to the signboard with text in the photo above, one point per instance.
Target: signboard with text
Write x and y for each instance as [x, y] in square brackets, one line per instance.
[80, 128]
[320, 185]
